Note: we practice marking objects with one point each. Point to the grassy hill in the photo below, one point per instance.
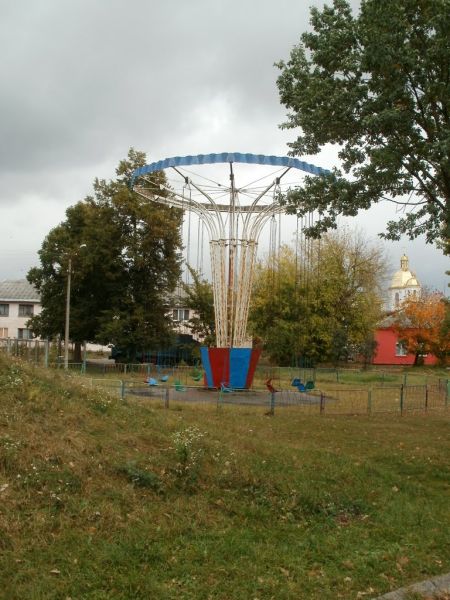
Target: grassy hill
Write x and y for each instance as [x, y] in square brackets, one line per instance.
[101, 499]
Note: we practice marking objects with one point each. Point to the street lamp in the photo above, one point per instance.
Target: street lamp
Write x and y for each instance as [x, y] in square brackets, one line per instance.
[66, 331]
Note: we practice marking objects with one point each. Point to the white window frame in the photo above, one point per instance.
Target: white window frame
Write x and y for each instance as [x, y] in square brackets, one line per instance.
[400, 349]
[180, 314]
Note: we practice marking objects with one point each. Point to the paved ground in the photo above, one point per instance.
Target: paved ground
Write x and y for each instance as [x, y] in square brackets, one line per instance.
[436, 587]
[241, 397]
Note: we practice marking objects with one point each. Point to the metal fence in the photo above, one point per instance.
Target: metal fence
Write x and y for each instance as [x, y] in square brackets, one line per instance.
[34, 351]
[49, 354]
[142, 371]
[384, 376]
[398, 400]
[393, 391]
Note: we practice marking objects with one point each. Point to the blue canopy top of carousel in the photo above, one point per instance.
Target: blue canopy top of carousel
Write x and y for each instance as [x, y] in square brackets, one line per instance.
[228, 157]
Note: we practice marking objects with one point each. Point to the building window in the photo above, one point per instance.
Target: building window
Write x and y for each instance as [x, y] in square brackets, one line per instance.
[24, 334]
[3, 332]
[400, 349]
[4, 310]
[25, 310]
[397, 299]
[180, 314]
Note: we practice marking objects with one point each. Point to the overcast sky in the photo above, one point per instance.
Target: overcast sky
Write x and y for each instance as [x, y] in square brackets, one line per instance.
[83, 80]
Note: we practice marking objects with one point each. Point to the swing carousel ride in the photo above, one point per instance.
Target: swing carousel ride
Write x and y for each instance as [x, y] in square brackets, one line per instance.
[234, 217]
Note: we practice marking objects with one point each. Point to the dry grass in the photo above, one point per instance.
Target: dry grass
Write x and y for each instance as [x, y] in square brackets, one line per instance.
[104, 499]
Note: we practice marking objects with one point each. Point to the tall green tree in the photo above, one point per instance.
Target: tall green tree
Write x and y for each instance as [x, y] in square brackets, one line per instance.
[319, 308]
[376, 85]
[199, 298]
[123, 275]
[95, 275]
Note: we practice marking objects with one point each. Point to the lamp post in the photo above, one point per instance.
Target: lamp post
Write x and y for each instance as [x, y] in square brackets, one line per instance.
[67, 324]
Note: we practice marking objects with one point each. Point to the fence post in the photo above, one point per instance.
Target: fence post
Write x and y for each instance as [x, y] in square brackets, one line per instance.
[337, 375]
[272, 403]
[401, 398]
[322, 403]
[447, 392]
[83, 367]
[369, 401]
[426, 397]
[122, 390]
[46, 352]
[166, 398]
[125, 369]
[405, 379]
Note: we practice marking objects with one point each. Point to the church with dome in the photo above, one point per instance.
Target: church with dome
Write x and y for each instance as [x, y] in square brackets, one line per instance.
[404, 285]
[390, 350]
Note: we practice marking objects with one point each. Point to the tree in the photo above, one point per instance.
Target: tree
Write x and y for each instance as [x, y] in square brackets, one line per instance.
[137, 319]
[199, 298]
[123, 277]
[96, 272]
[277, 308]
[421, 325]
[378, 86]
[321, 307]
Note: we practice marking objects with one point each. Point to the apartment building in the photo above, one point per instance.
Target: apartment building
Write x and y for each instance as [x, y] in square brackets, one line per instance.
[19, 301]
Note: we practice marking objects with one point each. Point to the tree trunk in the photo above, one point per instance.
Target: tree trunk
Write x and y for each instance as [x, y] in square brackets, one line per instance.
[77, 352]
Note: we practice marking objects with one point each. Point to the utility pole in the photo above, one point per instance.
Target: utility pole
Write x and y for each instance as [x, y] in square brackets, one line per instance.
[67, 324]
[66, 331]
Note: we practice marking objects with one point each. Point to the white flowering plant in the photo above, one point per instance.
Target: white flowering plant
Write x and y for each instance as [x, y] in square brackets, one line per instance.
[189, 450]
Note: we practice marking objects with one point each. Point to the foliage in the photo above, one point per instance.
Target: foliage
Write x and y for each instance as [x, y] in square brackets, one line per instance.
[445, 330]
[423, 327]
[377, 86]
[141, 477]
[123, 274]
[321, 306]
[199, 298]
[96, 271]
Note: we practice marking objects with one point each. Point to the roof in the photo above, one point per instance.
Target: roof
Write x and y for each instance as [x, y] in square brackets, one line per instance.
[404, 278]
[17, 290]
[229, 157]
[390, 320]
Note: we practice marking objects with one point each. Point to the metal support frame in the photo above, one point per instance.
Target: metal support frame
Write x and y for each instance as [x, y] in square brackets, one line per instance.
[234, 232]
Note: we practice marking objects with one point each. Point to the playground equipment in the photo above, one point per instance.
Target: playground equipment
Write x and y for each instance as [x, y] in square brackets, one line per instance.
[226, 388]
[234, 229]
[179, 387]
[302, 387]
[269, 385]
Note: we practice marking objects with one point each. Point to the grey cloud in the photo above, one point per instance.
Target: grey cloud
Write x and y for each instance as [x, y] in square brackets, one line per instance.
[82, 76]
[83, 80]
